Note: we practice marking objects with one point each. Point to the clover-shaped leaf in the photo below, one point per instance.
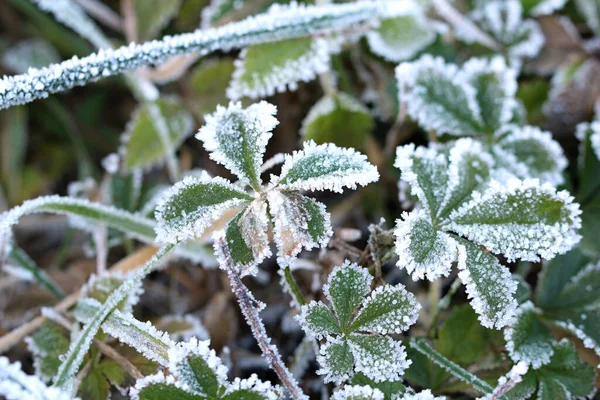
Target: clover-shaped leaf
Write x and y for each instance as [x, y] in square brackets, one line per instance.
[198, 374]
[522, 219]
[356, 327]
[237, 138]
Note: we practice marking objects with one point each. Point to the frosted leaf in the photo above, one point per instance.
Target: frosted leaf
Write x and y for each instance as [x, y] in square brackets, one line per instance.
[251, 388]
[159, 386]
[426, 171]
[326, 167]
[290, 62]
[424, 251]
[317, 320]
[237, 138]
[529, 152]
[336, 360]
[142, 336]
[403, 32]
[489, 285]
[504, 20]
[280, 24]
[438, 97]
[387, 310]
[247, 237]
[469, 169]
[521, 220]
[422, 395]
[141, 143]
[99, 288]
[496, 86]
[509, 381]
[192, 205]
[355, 392]
[590, 10]
[183, 327]
[17, 385]
[299, 223]
[546, 7]
[379, 358]
[527, 340]
[31, 53]
[46, 345]
[346, 287]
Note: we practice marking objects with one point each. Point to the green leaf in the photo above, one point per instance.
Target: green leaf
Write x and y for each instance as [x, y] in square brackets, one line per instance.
[317, 320]
[404, 34]
[495, 85]
[390, 389]
[437, 98]
[336, 360]
[426, 171]
[424, 251]
[165, 391]
[192, 205]
[527, 339]
[142, 146]
[529, 152]
[22, 260]
[153, 15]
[461, 338]
[326, 167]
[387, 310]
[521, 220]
[94, 386]
[125, 190]
[380, 358]
[237, 138]
[47, 344]
[247, 237]
[208, 83]
[590, 10]
[588, 161]
[195, 372]
[100, 288]
[299, 222]
[338, 119]
[243, 395]
[290, 62]
[347, 285]
[489, 285]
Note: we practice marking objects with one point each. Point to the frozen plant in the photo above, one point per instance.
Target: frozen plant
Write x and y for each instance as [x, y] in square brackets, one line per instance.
[237, 137]
[357, 324]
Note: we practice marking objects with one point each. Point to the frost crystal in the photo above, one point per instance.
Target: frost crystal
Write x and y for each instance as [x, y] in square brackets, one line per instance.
[423, 395]
[547, 7]
[326, 167]
[357, 393]
[422, 250]
[16, 385]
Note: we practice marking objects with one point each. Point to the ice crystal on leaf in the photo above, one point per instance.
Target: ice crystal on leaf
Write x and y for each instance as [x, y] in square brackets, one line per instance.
[478, 100]
[17, 385]
[237, 137]
[355, 392]
[356, 326]
[522, 219]
[197, 373]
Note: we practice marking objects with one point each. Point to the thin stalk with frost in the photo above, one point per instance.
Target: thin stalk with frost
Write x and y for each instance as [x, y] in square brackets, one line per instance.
[17, 255]
[293, 22]
[247, 304]
[66, 375]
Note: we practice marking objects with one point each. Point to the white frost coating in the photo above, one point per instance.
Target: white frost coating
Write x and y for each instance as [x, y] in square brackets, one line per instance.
[200, 348]
[434, 116]
[386, 364]
[437, 262]
[223, 140]
[158, 378]
[350, 392]
[17, 385]
[110, 163]
[363, 285]
[406, 47]
[312, 331]
[264, 389]
[506, 75]
[326, 167]
[423, 395]
[536, 356]
[305, 68]
[508, 381]
[527, 241]
[196, 329]
[290, 225]
[504, 20]
[531, 167]
[328, 371]
[588, 342]
[547, 7]
[191, 226]
[397, 319]
[506, 285]
[70, 14]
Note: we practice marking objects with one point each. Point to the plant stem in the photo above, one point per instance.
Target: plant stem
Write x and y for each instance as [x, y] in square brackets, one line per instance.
[296, 292]
[248, 306]
[23, 259]
[443, 304]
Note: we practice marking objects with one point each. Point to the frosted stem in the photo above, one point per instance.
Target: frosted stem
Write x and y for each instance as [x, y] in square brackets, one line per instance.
[247, 304]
